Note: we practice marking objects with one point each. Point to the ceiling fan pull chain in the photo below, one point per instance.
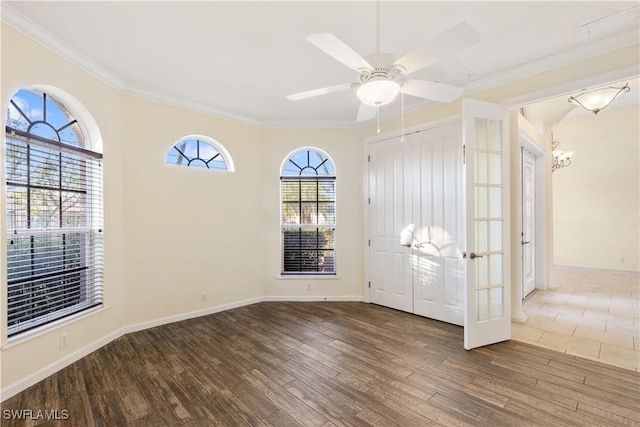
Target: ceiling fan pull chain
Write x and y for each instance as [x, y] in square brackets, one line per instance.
[402, 115]
[378, 26]
[378, 119]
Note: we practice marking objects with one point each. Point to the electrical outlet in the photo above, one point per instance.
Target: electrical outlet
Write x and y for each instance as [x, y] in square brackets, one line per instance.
[63, 340]
[204, 297]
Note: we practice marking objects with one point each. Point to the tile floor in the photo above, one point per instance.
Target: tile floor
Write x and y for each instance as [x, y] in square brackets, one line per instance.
[586, 312]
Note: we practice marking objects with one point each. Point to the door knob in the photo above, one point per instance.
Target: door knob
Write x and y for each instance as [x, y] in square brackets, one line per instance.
[526, 243]
[474, 256]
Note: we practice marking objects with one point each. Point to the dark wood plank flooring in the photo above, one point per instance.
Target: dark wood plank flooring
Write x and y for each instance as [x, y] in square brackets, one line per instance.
[327, 364]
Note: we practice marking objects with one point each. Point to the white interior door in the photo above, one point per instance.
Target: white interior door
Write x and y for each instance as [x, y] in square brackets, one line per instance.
[528, 223]
[416, 217]
[390, 212]
[488, 291]
[438, 277]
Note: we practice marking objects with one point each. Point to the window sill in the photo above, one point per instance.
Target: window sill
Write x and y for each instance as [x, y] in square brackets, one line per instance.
[50, 327]
[308, 276]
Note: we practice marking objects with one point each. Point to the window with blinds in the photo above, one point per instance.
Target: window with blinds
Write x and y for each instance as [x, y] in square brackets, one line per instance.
[308, 214]
[54, 214]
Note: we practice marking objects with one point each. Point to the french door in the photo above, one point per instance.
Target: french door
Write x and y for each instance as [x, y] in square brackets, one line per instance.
[488, 291]
[438, 223]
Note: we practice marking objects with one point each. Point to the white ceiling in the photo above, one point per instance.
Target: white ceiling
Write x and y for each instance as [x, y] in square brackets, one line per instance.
[240, 59]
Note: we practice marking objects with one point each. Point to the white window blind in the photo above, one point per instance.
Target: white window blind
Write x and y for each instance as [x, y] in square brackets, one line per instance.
[54, 230]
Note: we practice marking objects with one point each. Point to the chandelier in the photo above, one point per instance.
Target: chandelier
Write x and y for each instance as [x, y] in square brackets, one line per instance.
[561, 159]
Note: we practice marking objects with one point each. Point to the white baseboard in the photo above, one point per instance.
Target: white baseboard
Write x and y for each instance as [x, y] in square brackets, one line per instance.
[600, 267]
[311, 298]
[28, 381]
[189, 315]
[51, 369]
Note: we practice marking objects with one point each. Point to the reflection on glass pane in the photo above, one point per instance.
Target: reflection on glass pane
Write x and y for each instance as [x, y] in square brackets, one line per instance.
[481, 272]
[495, 202]
[481, 168]
[45, 168]
[16, 161]
[309, 213]
[482, 240]
[198, 163]
[74, 209]
[494, 134]
[481, 133]
[495, 236]
[326, 190]
[72, 135]
[207, 151]
[495, 270]
[74, 172]
[44, 130]
[290, 190]
[495, 169]
[44, 208]
[483, 304]
[217, 163]
[16, 207]
[326, 213]
[481, 202]
[309, 190]
[495, 307]
[290, 213]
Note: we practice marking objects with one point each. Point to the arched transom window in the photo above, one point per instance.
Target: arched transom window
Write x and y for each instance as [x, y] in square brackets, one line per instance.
[199, 152]
[308, 213]
[54, 213]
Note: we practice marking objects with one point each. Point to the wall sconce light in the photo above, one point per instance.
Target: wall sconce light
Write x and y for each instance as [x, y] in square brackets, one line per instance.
[598, 99]
[561, 159]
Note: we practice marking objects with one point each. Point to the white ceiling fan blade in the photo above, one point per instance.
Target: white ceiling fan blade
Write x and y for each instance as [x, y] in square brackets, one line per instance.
[322, 91]
[366, 112]
[442, 46]
[336, 48]
[432, 90]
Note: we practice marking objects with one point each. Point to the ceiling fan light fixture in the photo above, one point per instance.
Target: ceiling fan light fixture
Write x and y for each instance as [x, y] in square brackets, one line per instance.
[378, 92]
[598, 99]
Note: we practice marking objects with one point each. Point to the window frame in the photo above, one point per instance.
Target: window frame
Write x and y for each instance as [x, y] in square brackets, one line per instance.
[288, 177]
[82, 242]
[219, 148]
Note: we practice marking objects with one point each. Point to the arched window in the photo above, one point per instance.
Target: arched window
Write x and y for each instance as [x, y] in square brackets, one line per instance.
[54, 213]
[199, 152]
[308, 213]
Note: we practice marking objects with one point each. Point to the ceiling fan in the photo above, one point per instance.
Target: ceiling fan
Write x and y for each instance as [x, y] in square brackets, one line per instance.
[383, 75]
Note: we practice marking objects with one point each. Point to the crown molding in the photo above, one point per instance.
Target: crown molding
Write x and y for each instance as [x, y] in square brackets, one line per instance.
[61, 48]
[43, 37]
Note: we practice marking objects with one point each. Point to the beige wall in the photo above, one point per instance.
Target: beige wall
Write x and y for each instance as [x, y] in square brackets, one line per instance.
[596, 199]
[25, 63]
[188, 231]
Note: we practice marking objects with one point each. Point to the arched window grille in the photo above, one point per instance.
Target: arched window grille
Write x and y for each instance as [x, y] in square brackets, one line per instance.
[308, 213]
[199, 153]
[54, 213]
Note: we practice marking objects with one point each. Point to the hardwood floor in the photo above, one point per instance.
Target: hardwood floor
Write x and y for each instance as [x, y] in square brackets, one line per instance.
[325, 364]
